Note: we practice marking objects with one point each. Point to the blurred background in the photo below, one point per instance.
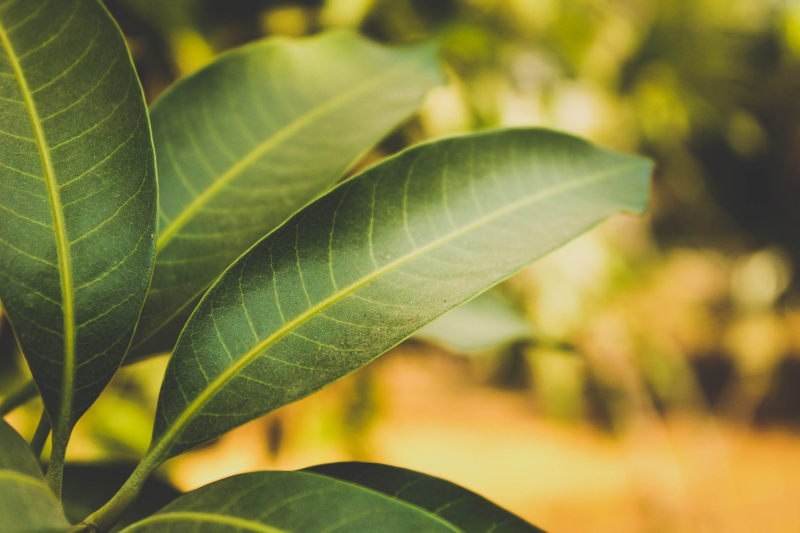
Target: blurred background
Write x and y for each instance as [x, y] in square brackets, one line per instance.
[644, 378]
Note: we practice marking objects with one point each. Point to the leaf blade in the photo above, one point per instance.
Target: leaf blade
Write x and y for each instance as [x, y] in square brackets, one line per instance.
[382, 254]
[460, 507]
[80, 197]
[26, 504]
[223, 136]
[274, 502]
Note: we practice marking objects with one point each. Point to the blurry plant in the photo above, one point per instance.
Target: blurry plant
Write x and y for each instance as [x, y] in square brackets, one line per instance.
[96, 269]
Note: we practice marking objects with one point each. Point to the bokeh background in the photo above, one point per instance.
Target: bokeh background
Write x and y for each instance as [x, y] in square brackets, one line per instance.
[644, 378]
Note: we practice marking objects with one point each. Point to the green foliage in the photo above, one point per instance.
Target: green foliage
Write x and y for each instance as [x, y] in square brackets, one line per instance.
[299, 112]
[280, 501]
[26, 503]
[242, 145]
[464, 509]
[366, 265]
[77, 208]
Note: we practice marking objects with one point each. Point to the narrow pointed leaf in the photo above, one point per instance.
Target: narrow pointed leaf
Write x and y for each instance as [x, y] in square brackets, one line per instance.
[384, 253]
[248, 140]
[77, 196]
[296, 502]
[26, 504]
[460, 507]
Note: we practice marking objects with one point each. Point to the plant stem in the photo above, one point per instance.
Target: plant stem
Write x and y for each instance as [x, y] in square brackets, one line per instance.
[40, 435]
[19, 397]
[104, 518]
[55, 469]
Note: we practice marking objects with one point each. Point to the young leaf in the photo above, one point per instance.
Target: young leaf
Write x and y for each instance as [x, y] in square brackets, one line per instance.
[296, 502]
[460, 507]
[26, 504]
[248, 140]
[77, 197]
[366, 265]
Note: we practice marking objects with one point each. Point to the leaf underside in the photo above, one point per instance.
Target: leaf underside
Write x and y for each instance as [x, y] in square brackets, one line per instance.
[296, 502]
[384, 253]
[245, 142]
[26, 504]
[460, 507]
[77, 196]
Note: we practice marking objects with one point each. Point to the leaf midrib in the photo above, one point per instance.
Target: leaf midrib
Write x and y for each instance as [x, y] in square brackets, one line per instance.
[264, 147]
[177, 427]
[59, 228]
[196, 516]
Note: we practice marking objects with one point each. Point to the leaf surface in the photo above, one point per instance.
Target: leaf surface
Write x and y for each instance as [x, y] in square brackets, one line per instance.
[26, 504]
[245, 142]
[366, 265]
[77, 196]
[460, 507]
[296, 502]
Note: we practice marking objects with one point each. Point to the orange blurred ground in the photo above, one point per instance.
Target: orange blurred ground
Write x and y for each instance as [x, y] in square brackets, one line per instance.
[685, 475]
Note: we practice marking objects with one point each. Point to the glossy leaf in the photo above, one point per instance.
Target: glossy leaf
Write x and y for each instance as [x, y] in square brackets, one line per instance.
[26, 503]
[296, 502]
[77, 196]
[248, 140]
[363, 267]
[460, 507]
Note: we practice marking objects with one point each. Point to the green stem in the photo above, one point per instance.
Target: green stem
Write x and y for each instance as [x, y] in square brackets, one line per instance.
[41, 434]
[55, 469]
[19, 397]
[104, 518]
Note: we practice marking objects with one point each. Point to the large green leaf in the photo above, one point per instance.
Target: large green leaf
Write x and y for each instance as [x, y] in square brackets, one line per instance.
[77, 196]
[296, 502]
[384, 253]
[248, 140]
[460, 507]
[26, 503]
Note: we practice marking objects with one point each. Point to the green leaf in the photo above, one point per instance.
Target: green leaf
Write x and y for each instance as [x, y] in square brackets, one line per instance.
[366, 265]
[16, 455]
[77, 197]
[489, 322]
[460, 507]
[296, 502]
[88, 486]
[26, 504]
[245, 142]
